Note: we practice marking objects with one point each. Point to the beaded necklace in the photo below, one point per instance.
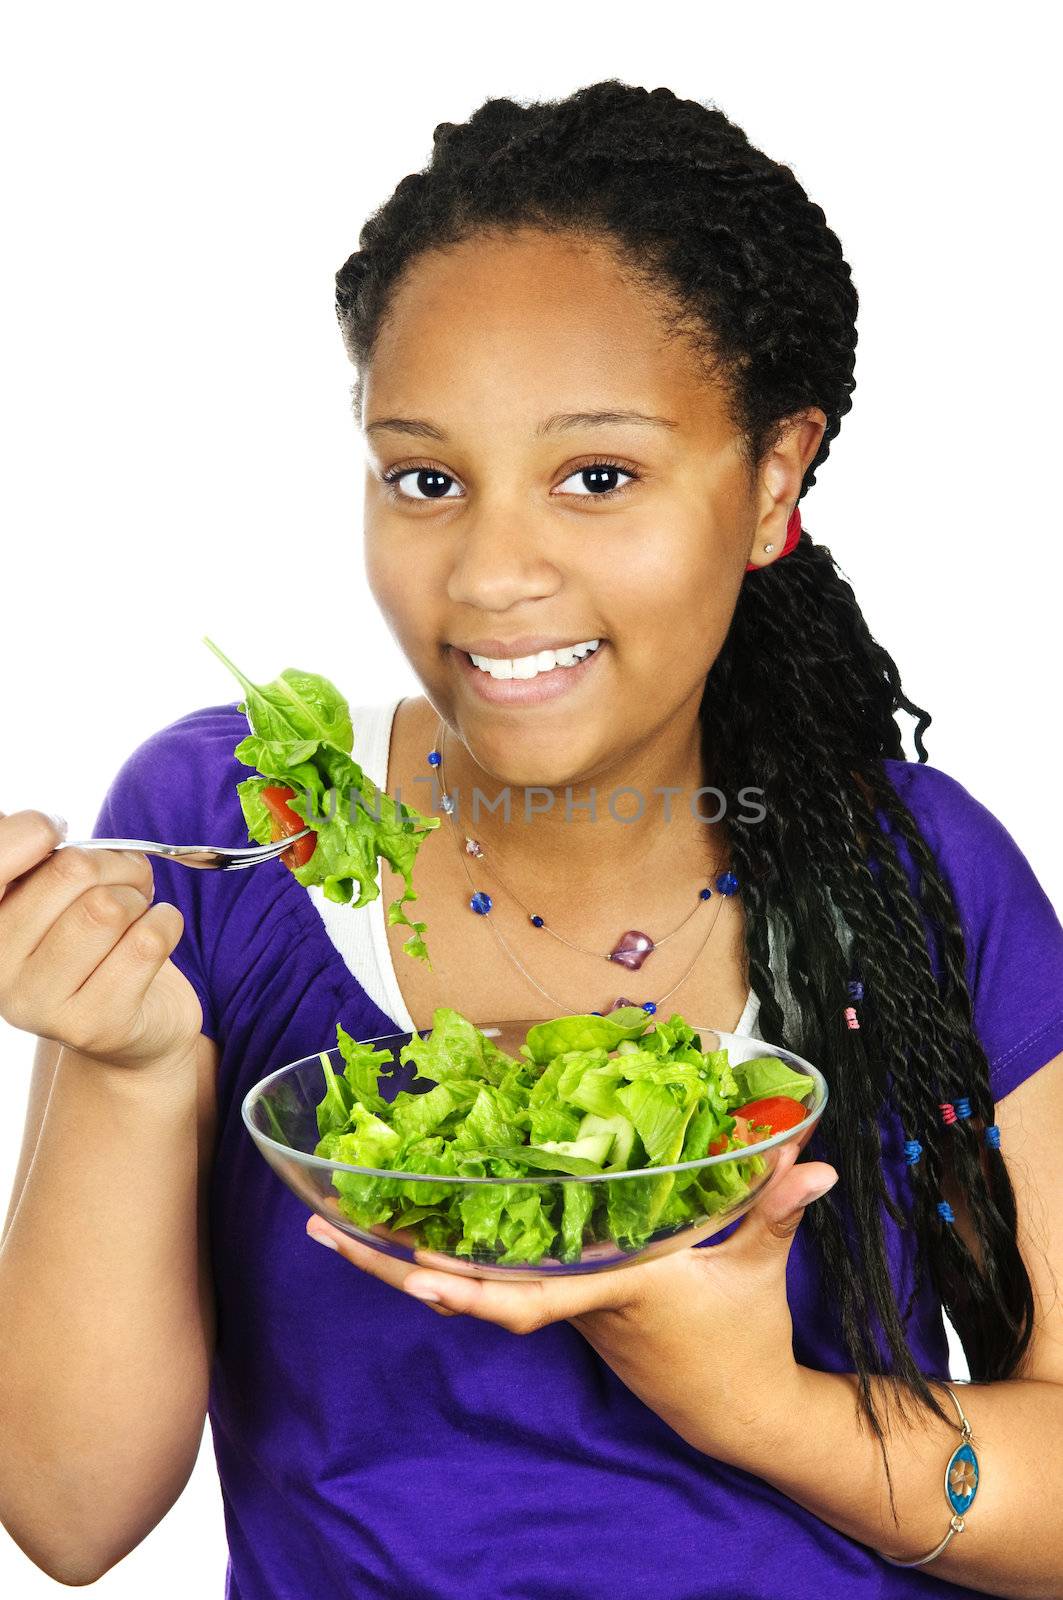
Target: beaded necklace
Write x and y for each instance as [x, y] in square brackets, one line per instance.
[630, 951]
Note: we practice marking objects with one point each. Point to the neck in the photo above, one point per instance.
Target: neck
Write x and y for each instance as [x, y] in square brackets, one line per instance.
[633, 831]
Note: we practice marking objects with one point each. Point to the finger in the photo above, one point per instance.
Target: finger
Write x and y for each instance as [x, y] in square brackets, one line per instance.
[84, 935]
[26, 838]
[34, 903]
[810, 1181]
[779, 1207]
[524, 1306]
[791, 1184]
[519, 1307]
[120, 983]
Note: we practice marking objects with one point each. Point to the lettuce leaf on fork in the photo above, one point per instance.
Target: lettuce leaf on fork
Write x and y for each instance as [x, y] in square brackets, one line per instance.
[301, 738]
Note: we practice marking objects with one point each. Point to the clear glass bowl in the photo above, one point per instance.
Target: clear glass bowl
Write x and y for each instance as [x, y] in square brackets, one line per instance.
[281, 1115]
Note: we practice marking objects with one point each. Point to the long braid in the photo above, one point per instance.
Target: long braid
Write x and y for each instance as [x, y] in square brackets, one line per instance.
[801, 701]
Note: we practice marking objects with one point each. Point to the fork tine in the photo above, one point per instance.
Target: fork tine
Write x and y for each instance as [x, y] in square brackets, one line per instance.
[252, 858]
[254, 855]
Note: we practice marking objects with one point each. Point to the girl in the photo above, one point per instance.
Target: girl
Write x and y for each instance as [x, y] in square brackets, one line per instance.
[602, 347]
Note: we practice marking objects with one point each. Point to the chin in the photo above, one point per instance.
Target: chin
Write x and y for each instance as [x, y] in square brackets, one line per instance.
[523, 758]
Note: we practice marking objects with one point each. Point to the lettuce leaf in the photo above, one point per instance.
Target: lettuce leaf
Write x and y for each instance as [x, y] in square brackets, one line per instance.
[767, 1075]
[301, 738]
[619, 1098]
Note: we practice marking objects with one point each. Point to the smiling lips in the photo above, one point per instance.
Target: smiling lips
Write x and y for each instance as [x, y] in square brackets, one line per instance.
[528, 680]
[532, 666]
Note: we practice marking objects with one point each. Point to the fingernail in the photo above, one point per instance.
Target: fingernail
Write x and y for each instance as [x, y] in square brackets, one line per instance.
[817, 1194]
[322, 1238]
[60, 822]
[424, 1294]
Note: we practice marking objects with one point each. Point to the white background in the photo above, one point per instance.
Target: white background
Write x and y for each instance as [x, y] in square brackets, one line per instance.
[181, 185]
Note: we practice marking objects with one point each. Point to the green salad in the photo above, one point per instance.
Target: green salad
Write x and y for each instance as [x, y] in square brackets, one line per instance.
[300, 746]
[587, 1095]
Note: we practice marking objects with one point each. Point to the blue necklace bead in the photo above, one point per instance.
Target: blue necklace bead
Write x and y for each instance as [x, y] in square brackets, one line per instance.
[536, 921]
[650, 1006]
[481, 903]
[727, 883]
[434, 758]
[446, 803]
[704, 894]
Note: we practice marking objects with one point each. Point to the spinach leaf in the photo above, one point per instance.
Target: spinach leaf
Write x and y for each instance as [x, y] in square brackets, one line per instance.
[301, 740]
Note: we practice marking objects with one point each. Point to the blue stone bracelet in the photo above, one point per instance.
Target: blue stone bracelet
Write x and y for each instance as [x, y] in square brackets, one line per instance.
[961, 1485]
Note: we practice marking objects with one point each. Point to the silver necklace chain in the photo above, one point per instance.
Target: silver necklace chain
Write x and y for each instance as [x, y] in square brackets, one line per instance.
[516, 962]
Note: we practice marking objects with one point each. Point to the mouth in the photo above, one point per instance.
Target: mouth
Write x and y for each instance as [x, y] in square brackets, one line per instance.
[531, 679]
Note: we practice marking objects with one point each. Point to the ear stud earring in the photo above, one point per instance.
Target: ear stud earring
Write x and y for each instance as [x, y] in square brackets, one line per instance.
[768, 548]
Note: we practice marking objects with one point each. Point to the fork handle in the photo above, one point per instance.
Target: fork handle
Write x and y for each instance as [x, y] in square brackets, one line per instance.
[148, 847]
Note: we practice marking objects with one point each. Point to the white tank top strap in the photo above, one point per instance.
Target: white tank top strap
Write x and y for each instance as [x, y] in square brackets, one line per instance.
[360, 933]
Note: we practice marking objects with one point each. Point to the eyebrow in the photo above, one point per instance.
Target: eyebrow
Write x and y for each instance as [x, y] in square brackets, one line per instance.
[560, 422]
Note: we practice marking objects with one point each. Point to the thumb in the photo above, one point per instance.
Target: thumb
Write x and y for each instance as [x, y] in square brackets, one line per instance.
[781, 1211]
[778, 1212]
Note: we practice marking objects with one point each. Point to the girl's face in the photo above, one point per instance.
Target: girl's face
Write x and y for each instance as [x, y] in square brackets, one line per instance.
[514, 516]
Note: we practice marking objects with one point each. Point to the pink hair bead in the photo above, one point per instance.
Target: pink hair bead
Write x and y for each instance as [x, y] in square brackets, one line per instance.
[850, 1017]
[948, 1113]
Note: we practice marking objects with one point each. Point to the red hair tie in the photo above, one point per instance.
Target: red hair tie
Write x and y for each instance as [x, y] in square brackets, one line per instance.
[793, 533]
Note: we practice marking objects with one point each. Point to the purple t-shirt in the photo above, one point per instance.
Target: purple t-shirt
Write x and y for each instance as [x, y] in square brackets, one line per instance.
[370, 1450]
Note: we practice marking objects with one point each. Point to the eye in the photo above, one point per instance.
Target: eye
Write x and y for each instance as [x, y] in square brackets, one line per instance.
[597, 477]
[430, 479]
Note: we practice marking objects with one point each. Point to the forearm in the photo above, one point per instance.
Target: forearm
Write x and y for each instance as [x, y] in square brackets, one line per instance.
[801, 1431]
[1012, 1543]
[103, 1351]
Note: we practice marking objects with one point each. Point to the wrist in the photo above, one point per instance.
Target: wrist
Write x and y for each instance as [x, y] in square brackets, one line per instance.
[149, 1079]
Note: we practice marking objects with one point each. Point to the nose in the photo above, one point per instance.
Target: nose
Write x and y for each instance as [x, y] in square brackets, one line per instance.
[500, 560]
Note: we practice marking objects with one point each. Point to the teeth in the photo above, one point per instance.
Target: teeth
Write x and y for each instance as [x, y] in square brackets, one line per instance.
[532, 666]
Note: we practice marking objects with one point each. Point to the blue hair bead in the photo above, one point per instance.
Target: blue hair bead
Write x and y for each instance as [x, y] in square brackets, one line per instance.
[434, 758]
[963, 1106]
[856, 990]
[992, 1136]
[912, 1151]
[945, 1211]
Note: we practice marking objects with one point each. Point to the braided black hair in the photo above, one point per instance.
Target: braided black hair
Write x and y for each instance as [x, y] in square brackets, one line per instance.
[801, 700]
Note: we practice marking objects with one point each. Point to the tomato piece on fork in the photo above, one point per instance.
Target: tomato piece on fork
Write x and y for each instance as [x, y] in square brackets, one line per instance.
[284, 822]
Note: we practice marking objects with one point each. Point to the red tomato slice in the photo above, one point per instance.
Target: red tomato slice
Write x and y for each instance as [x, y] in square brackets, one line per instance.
[740, 1133]
[778, 1111]
[285, 821]
[759, 1119]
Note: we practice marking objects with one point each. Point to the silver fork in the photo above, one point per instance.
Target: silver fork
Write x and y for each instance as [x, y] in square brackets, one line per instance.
[207, 857]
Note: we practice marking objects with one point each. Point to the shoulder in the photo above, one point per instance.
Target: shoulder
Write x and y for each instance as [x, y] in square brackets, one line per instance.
[1012, 933]
[936, 797]
[966, 837]
[983, 862]
[182, 775]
